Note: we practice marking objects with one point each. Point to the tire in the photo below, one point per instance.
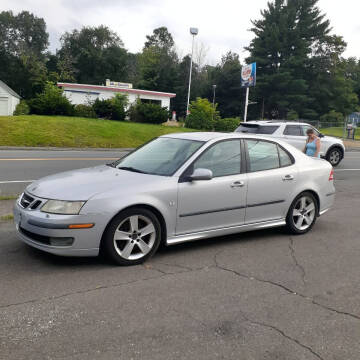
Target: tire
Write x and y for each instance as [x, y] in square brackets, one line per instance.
[334, 156]
[302, 213]
[132, 237]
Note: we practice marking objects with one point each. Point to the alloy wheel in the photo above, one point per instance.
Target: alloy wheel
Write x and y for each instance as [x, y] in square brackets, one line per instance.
[304, 213]
[334, 157]
[134, 237]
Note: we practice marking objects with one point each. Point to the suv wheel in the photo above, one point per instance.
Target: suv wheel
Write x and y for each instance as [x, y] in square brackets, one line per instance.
[132, 237]
[302, 214]
[334, 156]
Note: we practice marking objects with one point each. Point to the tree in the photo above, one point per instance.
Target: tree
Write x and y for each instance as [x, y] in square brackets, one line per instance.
[23, 42]
[287, 39]
[229, 94]
[92, 55]
[158, 62]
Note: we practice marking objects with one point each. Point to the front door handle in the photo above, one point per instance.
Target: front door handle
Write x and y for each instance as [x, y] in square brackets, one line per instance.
[237, 184]
[288, 177]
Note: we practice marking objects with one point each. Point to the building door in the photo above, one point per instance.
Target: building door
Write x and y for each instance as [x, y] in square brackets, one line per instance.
[4, 106]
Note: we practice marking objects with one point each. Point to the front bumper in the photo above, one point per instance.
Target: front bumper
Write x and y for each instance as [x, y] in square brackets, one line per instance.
[35, 228]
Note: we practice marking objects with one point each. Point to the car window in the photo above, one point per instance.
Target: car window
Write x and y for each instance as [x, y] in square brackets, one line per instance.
[285, 159]
[257, 129]
[162, 156]
[222, 158]
[294, 130]
[263, 155]
[307, 127]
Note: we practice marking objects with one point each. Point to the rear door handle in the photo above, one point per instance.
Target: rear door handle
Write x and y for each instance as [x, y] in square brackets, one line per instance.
[288, 177]
[237, 184]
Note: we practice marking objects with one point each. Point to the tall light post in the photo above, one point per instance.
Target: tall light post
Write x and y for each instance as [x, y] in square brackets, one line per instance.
[214, 89]
[193, 32]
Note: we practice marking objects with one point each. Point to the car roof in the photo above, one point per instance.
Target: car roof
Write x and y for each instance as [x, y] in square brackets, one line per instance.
[274, 122]
[207, 136]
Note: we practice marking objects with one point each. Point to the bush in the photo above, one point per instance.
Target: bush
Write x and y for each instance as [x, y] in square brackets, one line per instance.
[148, 113]
[113, 108]
[51, 102]
[22, 108]
[226, 124]
[332, 118]
[202, 115]
[85, 111]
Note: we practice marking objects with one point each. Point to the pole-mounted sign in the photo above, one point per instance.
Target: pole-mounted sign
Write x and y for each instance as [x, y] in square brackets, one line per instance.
[248, 78]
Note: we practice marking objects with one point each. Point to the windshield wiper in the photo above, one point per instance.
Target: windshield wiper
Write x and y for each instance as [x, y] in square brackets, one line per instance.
[129, 168]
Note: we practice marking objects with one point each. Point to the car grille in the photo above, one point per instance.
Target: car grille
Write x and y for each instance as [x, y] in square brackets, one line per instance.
[29, 202]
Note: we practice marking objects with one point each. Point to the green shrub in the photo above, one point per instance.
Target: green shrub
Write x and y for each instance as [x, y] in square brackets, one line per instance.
[113, 108]
[148, 113]
[332, 118]
[22, 108]
[51, 102]
[85, 111]
[226, 124]
[202, 115]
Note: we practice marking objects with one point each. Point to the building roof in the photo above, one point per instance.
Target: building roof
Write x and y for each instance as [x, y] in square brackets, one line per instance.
[114, 89]
[9, 90]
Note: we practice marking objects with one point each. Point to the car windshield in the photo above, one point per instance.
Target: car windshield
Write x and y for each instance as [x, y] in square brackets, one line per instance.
[257, 129]
[162, 156]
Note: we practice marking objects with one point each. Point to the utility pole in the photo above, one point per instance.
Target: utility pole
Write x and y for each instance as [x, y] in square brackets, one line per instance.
[193, 32]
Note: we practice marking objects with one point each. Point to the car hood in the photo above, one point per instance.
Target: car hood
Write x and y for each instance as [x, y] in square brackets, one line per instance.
[83, 184]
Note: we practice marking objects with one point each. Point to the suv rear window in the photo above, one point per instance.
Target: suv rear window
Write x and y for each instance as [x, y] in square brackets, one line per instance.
[257, 129]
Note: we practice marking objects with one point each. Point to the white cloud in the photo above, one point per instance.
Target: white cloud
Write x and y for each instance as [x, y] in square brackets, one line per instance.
[223, 25]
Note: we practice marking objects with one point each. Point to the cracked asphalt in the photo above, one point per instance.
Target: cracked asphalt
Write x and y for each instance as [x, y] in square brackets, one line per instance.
[261, 295]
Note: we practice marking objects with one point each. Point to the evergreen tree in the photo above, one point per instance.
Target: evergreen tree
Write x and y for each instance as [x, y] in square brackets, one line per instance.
[287, 40]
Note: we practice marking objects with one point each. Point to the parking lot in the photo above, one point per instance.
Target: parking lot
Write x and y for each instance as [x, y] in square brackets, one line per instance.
[261, 295]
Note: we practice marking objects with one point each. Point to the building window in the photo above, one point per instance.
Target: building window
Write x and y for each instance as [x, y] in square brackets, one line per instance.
[150, 101]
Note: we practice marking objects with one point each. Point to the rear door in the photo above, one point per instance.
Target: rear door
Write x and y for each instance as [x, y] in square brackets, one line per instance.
[216, 203]
[271, 177]
[293, 134]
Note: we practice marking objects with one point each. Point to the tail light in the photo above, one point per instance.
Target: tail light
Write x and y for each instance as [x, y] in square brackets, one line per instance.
[331, 177]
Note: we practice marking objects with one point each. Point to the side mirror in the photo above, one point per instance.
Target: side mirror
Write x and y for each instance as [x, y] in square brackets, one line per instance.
[321, 135]
[201, 174]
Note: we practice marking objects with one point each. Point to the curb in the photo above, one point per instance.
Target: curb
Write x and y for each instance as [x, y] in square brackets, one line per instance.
[62, 149]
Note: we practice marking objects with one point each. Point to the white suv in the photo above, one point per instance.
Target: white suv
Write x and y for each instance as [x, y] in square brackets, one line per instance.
[294, 133]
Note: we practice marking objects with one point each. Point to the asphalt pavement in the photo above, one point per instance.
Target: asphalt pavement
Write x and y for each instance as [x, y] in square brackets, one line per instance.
[262, 295]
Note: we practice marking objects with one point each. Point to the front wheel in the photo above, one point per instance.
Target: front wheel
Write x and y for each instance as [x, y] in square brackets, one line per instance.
[132, 237]
[334, 156]
[302, 214]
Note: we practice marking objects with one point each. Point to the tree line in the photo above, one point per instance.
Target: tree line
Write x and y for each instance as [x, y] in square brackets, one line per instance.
[301, 71]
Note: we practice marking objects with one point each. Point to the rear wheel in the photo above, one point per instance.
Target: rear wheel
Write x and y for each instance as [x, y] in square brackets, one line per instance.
[302, 214]
[132, 237]
[334, 156]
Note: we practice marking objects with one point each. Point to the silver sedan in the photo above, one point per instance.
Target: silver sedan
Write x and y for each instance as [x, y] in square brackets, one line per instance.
[176, 188]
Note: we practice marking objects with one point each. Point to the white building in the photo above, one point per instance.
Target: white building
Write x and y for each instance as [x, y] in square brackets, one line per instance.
[8, 99]
[85, 94]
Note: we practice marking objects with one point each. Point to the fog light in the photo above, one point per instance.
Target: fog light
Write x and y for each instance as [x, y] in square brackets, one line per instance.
[61, 241]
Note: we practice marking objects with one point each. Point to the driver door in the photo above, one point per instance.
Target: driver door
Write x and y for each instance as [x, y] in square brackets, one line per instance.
[216, 203]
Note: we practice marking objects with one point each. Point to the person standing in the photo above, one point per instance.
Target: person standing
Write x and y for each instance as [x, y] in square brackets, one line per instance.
[312, 145]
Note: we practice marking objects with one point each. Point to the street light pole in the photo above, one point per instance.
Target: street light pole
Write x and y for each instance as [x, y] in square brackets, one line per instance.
[214, 88]
[213, 102]
[193, 32]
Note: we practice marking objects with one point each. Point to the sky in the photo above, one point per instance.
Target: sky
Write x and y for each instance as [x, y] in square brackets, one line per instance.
[223, 25]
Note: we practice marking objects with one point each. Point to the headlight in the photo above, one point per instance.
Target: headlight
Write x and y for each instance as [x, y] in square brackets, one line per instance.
[62, 207]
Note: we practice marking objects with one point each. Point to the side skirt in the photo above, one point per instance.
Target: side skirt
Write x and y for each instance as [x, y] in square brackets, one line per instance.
[224, 231]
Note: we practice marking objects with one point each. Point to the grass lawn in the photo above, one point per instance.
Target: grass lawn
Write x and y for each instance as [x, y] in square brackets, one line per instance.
[339, 132]
[63, 131]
